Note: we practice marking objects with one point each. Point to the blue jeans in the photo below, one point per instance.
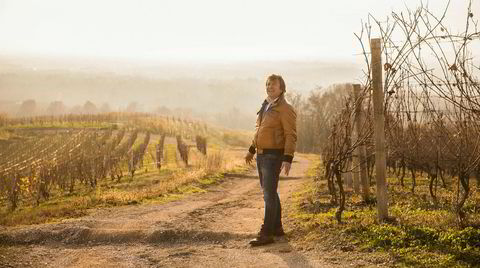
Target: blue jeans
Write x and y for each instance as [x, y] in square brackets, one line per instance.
[268, 166]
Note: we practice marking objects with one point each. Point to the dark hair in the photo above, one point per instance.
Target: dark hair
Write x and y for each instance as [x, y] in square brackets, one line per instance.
[279, 78]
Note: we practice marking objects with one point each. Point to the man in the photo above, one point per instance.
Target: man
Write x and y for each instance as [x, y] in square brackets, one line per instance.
[274, 142]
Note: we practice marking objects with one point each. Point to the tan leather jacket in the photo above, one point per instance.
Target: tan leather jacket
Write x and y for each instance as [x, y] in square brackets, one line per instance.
[276, 129]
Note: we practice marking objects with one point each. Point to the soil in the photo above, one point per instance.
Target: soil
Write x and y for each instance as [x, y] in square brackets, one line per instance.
[210, 229]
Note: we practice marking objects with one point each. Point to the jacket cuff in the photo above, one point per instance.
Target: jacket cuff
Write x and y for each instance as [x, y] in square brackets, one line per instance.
[252, 149]
[287, 158]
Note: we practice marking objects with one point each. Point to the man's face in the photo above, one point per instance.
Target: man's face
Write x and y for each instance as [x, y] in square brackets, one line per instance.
[273, 88]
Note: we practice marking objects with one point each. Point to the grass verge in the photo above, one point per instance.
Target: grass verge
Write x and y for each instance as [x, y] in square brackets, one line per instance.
[421, 234]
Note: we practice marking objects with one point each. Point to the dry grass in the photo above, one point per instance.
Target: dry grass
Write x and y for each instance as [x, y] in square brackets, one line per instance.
[146, 187]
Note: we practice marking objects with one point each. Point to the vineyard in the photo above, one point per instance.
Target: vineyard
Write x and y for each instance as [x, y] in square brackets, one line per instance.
[421, 118]
[400, 151]
[48, 157]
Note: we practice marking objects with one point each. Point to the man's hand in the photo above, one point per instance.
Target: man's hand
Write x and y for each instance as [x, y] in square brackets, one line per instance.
[249, 158]
[285, 166]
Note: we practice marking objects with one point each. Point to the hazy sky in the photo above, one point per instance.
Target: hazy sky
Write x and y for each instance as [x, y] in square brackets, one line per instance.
[181, 30]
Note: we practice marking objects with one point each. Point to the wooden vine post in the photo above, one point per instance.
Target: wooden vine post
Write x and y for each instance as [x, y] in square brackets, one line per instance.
[379, 128]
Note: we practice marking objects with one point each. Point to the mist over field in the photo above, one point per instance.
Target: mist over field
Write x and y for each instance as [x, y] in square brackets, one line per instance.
[206, 60]
[227, 94]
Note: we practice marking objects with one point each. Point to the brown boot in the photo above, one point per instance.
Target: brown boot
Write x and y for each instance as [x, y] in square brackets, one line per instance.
[261, 240]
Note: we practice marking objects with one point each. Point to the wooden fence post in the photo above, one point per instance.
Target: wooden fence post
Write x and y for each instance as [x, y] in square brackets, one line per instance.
[379, 129]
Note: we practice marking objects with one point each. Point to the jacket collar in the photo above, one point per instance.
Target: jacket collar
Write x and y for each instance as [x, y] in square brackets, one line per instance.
[280, 99]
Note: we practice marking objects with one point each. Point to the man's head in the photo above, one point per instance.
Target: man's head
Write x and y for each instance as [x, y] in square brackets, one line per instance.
[275, 86]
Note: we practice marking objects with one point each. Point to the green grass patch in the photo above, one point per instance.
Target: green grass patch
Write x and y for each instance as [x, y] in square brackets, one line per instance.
[170, 155]
[190, 189]
[406, 243]
[314, 166]
[207, 181]
[422, 233]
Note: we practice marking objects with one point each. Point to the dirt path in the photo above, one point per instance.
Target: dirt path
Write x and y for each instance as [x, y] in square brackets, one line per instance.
[209, 229]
